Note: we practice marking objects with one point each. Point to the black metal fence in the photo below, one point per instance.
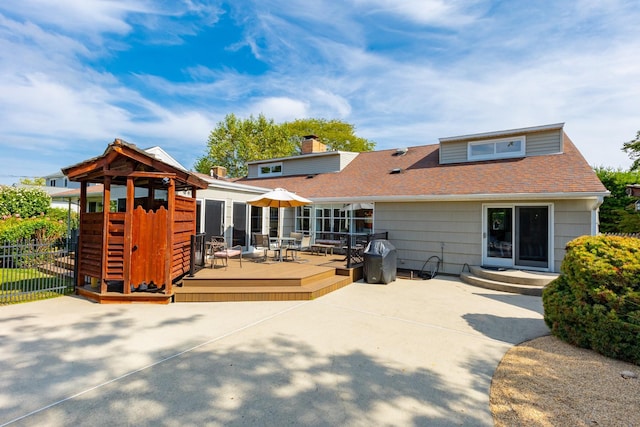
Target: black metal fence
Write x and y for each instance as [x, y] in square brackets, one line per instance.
[35, 270]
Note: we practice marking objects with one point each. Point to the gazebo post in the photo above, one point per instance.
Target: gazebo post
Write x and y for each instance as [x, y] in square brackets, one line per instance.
[83, 211]
[106, 208]
[171, 199]
[128, 227]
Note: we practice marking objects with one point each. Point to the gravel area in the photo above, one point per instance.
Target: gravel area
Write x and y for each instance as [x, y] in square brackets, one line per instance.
[547, 382]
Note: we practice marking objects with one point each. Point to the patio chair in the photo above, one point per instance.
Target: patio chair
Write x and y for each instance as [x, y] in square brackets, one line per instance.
[300, 245]
[214, 244]
[262, 242]
[223, 254]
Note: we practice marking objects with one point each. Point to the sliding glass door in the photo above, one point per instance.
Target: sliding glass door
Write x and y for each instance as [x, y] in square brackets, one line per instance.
[532, 244]
[516, 236]
[498, 237]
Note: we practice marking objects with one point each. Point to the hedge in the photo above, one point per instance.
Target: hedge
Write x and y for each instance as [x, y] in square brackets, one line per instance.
[43, 229]
[595, 303]
[23, 202]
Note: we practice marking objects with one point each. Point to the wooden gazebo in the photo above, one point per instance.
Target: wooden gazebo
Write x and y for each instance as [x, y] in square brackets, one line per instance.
[140, 244]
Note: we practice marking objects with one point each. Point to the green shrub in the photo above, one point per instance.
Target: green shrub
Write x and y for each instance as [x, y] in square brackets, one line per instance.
[595, 303]
[23, 202]
[62, 215]
[41, 229]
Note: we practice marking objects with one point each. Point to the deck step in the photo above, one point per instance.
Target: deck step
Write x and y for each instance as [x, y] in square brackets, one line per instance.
[518, 277]
[308, 291]
[514, 281]
[237, 278]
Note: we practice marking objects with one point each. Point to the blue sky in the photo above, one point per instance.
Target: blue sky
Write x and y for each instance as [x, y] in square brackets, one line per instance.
[76, 74]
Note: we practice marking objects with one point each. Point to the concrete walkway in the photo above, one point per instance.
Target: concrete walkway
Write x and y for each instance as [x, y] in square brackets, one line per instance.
[407, 353]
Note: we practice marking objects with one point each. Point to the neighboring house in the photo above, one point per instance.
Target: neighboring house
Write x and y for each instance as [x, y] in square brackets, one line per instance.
[511, 198]
[55, 183]
[59, 180]
[633, 190]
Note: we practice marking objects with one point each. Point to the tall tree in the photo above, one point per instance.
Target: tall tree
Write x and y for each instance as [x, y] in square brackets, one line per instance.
[617, 213]
[337, 135]
[632, 148]
[33, 181]
[234, 142]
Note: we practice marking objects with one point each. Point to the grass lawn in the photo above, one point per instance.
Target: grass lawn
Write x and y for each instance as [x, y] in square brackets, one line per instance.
[28, 284]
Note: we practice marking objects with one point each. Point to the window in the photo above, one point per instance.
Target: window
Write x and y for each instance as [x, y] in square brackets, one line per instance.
[303, 219]
[497, 149]
[256, 219]
[271, 169]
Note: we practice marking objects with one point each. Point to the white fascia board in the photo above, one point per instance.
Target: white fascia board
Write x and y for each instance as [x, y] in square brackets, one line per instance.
[508, 132]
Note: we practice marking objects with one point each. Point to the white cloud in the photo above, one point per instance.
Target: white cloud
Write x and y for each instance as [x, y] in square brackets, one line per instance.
[430, 12]
[279, 109]
[87, 16]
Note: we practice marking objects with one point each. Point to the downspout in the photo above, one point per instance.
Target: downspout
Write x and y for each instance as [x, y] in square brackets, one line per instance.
[595, 216]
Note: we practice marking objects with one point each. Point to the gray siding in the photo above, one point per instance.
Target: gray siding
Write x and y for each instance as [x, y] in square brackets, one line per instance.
[453, 230]
[311, 164]
[453, 152]
[537, 144]
[544, 143]
[572, 219]
[418, 231]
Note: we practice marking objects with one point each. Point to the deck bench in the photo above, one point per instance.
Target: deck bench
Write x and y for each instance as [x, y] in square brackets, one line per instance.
[317, 247]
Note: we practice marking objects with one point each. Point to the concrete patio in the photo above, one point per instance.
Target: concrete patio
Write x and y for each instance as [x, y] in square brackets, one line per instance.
[408, 353]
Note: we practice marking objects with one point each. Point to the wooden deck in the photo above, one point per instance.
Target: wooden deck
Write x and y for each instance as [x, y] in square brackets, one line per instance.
[311, 277]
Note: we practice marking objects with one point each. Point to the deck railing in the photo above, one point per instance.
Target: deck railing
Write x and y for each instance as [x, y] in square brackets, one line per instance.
[198, 253]
[35, 270]
[353, 244]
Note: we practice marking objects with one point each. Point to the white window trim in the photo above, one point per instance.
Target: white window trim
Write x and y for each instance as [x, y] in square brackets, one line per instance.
[521, 153]
[271, 166]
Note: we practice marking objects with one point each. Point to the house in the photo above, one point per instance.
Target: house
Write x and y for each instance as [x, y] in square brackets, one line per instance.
[510, 198]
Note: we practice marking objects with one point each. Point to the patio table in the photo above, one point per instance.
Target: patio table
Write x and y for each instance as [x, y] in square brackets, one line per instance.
[280, 243]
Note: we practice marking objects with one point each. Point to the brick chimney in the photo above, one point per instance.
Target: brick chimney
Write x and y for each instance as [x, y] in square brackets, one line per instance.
[218, 172]
[311, 144]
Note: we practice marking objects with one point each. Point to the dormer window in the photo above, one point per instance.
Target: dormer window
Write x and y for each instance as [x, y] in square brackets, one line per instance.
[497, 149]
[270, 169]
